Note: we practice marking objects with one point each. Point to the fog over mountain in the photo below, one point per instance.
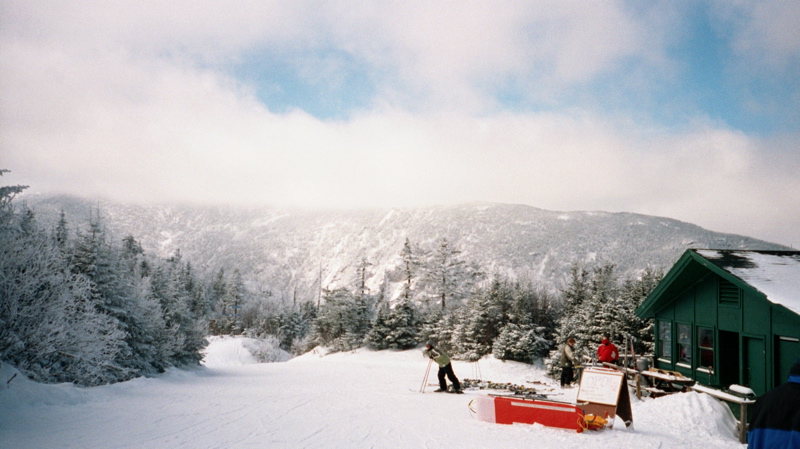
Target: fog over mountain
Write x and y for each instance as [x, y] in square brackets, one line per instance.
[292, 253]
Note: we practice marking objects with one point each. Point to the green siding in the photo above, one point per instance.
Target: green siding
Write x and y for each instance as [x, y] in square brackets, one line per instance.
[785, 322]
[787, 351]
[684, 307]
[755, 340]
[757, 310]
[730, 319]
[706, 302]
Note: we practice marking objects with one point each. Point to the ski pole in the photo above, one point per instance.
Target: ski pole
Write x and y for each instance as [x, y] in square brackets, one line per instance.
[425, 379]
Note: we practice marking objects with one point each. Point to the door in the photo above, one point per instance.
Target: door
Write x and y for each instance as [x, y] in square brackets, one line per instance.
[787, 350]
[754, 368]
[728, 358]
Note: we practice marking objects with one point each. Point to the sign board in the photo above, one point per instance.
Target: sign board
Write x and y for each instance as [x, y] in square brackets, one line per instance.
[600, 386]
[604, 392]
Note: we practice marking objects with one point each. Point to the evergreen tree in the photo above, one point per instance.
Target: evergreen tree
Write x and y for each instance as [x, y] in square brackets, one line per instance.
[295, 325]
[378, 336]
[410, 263]
[574, 295]
[61, 232]
[362, 274]
[233, 303]
[111, 284]
[447, 276]
[88, 311]
[634, 291]
[51, 326]
[522, 343]
[598, 314]
[396, 328]
[404, 326]
[218, 292]
[343, 320]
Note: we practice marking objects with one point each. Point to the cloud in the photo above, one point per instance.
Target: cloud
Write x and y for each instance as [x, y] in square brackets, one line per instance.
[140, 102]
[763, 32]
[423, 54]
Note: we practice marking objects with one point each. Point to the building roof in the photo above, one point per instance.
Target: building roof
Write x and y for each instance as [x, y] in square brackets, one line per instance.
[776, 274]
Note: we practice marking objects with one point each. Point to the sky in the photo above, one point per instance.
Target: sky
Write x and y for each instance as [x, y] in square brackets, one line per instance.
[683, 109]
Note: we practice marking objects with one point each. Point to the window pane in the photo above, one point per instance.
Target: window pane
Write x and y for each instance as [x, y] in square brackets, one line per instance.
[707, 358]
[705, 338]
[684, 344]
[665, 339]
[664, 330]
[685, 354]
[705, 341]
[684, 336]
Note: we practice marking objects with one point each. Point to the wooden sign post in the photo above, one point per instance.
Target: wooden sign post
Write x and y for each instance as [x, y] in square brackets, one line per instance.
[604, 392]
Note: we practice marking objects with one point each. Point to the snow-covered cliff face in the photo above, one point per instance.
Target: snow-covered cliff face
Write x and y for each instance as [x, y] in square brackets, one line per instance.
[291, 253]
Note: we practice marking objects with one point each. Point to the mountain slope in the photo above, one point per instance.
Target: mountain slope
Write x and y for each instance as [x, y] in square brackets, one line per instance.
[291, 253]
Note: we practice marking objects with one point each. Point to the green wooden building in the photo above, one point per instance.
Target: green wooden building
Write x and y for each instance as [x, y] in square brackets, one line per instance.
[727, 317]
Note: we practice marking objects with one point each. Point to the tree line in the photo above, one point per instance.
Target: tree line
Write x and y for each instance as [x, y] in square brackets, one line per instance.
[449, 300]
[78, 307]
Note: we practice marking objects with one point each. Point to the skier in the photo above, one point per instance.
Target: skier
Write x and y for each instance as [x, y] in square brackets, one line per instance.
[775, 418]
[567, 361]
[445, 368]
[607, 352]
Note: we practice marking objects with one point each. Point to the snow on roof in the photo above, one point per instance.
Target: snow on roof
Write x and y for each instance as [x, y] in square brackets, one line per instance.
[776, 274]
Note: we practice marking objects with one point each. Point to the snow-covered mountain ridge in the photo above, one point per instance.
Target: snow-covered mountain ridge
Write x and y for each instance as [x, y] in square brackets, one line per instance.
[292, 252]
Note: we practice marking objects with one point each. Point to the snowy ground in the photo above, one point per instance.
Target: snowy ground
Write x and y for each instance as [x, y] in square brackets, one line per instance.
[361, 399]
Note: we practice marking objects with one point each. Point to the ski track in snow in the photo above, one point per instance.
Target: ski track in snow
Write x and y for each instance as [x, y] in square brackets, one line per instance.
[360, 399]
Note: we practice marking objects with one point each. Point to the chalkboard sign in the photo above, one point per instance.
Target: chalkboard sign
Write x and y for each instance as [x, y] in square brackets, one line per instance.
[600, 386]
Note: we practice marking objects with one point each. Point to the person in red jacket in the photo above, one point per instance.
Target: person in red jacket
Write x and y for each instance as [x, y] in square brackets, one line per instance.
[607, 352]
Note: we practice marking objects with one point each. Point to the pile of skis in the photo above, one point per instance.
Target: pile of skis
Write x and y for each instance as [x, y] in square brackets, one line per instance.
[514, 389]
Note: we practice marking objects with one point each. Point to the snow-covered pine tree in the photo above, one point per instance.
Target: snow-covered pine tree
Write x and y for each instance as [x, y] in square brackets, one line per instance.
[343, 320]
[573, 295]
[598, 315]
[228, 297]
[529, 323]
[190, 330]
[633, 292]
[61, 231]
[295, 325]
[447, 276]
[143, 319]
[403, 324]
[410, 263]
[216, 295]
[522, 343]
[480, 321]
[51, 327]
[112, 285]
[378, 336]
[362, 275]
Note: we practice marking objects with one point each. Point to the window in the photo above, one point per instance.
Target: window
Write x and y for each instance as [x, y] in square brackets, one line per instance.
[685, 344]
[729, 294]
[705, 345]
[665, 340]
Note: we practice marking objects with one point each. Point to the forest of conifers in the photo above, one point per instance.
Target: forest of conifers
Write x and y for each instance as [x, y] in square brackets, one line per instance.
[78, 306]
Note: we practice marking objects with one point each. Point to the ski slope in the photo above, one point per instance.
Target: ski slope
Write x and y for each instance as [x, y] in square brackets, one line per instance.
[361, 399]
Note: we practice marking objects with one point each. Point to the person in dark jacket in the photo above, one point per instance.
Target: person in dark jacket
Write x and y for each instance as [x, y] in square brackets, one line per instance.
[775, 417]
[445, 368]
[567, 361]
[607, 352]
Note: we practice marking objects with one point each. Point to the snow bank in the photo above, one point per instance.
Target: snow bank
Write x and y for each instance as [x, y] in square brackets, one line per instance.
[17, 390]
[226, 351]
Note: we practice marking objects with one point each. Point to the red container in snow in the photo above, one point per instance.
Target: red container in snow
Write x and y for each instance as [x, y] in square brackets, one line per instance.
[510, 410]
